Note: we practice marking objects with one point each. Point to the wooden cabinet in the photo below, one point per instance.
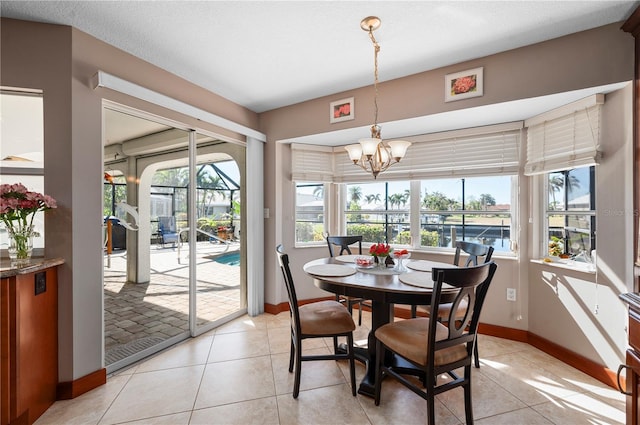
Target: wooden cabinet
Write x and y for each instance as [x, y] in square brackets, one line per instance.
[28, 343]
[632, 360]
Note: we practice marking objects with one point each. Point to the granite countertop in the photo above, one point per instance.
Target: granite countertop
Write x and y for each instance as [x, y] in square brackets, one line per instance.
[35, 264]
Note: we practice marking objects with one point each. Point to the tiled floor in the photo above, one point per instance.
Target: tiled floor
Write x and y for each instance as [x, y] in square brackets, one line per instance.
[238, 374]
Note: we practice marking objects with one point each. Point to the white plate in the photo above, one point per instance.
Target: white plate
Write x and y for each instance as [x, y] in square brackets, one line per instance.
[427, 266]
[330, 270]
[347, 258]
[421, 279]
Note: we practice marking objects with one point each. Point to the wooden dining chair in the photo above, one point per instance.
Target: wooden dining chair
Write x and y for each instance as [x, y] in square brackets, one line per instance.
[315, 320]
[434, 348]
[474, 252]
[344, 243]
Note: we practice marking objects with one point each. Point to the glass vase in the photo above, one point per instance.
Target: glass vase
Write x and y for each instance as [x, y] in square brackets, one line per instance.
[20, 245]
[382, 261]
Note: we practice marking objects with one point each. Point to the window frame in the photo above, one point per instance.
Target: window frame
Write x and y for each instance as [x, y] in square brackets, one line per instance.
[325, 211]
[566, 212]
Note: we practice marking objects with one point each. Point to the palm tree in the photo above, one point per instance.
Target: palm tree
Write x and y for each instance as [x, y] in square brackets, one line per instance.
[556, 183]
[318, 191]
[372, 199]
[355, 194]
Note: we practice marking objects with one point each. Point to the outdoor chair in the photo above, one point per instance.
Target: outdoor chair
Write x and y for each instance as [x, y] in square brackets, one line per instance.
[167, 230]
[320, 319]
[344, 243]
[433, 348]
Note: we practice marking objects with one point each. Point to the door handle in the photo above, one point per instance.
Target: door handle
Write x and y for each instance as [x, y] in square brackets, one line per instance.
[622, 366]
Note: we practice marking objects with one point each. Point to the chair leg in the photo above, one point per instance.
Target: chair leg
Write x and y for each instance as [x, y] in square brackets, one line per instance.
[335, 345]
[475, 354]
[352, 364]
[296, 382]
[468, 406]
[360, 314]
[431, 410]
[414, 311]
[291, 354]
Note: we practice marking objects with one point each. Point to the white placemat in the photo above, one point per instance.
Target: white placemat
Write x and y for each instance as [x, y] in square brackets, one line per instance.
[421, 279]
[347, 258]
[427, 266]
[376, 270]
[330, 270]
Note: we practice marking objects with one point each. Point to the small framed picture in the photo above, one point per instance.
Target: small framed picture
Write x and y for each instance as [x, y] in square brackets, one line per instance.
[341, 110]
[463, 85]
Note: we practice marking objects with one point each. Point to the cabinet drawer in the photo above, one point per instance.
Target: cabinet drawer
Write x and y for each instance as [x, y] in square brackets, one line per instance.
[634, 330]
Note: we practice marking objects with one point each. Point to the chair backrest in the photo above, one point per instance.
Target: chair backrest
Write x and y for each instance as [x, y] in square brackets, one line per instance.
[343, 242]
[283, 259]
[468, 284]
[474, 250]
[167, 224]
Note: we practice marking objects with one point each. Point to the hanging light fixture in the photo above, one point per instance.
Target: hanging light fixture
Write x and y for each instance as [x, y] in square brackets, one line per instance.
[372, 154]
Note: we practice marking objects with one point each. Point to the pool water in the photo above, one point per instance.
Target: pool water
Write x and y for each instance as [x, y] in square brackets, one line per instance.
[231, 259]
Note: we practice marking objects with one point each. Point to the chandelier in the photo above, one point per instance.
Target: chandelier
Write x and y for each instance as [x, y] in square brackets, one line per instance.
[373, 154]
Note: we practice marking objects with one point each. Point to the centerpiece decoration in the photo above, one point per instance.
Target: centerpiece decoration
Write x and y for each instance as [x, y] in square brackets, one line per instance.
[380, 252]
[398, 255]
[18, 207]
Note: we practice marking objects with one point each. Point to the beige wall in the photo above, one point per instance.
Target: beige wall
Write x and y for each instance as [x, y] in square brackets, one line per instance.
[563, 303]
[62, 61]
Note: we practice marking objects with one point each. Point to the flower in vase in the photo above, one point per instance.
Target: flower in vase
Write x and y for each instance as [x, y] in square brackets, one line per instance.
[380, 250]
[18, 207]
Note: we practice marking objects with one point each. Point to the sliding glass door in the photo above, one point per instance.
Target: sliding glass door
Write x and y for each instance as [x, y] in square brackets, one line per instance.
[173, 248]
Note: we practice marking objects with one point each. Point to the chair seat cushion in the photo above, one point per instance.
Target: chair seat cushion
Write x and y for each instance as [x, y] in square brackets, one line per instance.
[325, 318]
[408, 338]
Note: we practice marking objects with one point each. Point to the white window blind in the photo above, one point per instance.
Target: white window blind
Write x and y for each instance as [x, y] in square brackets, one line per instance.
[312, 163]
[460, 153]
[566, 138]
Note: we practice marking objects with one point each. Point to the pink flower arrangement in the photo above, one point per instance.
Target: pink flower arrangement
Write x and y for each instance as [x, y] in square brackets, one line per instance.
[18, 206]
[380, 250]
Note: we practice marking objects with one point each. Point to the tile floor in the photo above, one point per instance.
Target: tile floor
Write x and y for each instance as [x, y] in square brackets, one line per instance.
[237, 374]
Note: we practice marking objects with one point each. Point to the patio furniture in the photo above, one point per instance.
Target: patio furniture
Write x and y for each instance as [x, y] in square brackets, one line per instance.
[167, 230]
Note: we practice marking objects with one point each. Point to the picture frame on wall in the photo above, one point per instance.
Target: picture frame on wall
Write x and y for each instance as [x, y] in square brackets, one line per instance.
[463, 85]
[341, 110]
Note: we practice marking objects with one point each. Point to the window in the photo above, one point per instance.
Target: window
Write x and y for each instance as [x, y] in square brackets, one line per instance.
[379, 212]
[476, 209]
[310, 214]
[570, 213]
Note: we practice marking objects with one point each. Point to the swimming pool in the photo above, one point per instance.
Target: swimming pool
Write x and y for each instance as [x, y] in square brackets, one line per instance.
[231, 259]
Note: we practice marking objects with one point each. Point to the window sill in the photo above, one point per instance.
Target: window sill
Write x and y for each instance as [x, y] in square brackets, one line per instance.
[570, 265]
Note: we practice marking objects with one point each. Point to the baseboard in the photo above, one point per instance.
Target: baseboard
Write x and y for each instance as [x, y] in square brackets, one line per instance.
[279, 308]
[75, 388]
[591, 368]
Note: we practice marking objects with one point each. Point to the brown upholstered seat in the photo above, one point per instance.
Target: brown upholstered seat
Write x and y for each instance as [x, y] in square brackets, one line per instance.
[315, 320]
[433, 348]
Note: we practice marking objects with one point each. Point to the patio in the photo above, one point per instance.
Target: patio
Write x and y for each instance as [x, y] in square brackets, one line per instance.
[140, 315]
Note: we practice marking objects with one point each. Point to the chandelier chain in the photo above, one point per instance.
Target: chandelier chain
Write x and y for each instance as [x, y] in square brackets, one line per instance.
[376, 50]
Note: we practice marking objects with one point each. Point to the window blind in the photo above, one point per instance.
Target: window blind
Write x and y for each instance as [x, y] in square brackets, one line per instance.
[312, 163]
[564, 139]
[445, 155]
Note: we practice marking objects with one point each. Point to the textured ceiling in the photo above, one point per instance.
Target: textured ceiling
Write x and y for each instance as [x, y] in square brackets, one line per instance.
[269, 54]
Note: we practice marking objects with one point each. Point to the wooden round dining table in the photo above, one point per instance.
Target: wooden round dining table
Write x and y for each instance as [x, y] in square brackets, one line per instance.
[384, 288]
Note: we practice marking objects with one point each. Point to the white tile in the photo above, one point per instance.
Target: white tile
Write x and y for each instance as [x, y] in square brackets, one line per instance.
[156, 393]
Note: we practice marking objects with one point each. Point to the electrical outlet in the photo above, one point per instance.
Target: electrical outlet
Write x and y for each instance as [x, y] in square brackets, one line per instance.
[511, 294]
